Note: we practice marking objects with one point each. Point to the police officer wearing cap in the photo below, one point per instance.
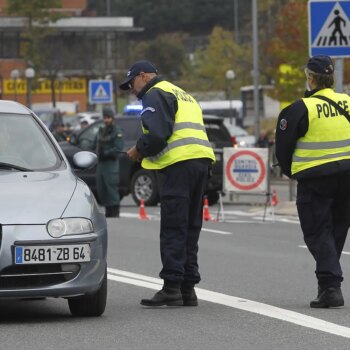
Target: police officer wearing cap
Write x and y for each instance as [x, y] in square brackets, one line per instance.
[109, 142]
[174, 143]
[313, 147]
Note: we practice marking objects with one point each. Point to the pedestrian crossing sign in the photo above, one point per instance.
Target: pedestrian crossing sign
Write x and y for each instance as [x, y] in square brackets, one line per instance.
[100, 91]
[329, 28]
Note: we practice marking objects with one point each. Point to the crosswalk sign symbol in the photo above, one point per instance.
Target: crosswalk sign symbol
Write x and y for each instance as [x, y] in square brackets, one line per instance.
[329, 28]
[100, 91]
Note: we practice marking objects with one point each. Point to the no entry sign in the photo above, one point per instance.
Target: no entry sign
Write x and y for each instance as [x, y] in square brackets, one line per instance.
[245, 170]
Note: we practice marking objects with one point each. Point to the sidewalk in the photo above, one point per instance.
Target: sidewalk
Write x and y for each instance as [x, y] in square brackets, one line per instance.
[285, 191]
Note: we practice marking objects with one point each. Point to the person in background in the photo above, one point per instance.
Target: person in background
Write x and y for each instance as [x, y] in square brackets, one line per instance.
[312, 146]
[263, 140]
[109, 144]
[83, 124]
[175, 144]
[59, 133]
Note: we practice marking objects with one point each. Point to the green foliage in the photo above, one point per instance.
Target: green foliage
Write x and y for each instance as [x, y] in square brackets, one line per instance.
[209, 65]
[36, 10]
[166, 51]
[289, 47]
[159, 16]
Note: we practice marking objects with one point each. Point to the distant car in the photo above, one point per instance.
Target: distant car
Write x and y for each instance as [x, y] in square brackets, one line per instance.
[239, 136]
[141, 183]
[53, 236]
[90, 117]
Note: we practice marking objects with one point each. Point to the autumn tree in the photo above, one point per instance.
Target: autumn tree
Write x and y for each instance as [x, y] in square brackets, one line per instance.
[288, 51]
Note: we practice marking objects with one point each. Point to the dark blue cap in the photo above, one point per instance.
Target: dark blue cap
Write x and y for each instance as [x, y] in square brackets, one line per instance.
[135, 70]
[321, 64]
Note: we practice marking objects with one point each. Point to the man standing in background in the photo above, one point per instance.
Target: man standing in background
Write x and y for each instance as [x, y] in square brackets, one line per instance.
[109, 144]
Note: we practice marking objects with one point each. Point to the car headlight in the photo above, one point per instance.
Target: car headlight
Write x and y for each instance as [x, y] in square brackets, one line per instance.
[69, 226]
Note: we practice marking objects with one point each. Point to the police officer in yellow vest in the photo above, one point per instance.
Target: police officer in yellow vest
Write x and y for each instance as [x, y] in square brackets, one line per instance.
[175, 144]
[313, 147]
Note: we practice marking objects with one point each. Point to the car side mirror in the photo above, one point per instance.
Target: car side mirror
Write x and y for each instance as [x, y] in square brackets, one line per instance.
[84, 160]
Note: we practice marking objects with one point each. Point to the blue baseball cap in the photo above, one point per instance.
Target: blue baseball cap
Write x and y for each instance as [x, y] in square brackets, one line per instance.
[135, 70]
[321, 64]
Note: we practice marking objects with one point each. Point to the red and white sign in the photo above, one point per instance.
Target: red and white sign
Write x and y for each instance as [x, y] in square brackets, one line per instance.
[245, 170]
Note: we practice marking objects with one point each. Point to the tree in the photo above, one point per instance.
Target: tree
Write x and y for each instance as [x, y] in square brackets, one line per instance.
[207, 69]
[166, 51]
[38, 14]
[288, 51]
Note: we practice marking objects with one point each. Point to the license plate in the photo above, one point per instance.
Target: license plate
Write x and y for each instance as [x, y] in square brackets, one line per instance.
[52, 254]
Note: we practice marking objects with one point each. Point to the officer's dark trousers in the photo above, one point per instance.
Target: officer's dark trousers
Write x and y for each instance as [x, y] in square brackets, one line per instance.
[324, 210]
[182, 189]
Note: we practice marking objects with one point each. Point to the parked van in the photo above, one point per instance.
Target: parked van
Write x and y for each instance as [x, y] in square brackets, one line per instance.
[223, 108]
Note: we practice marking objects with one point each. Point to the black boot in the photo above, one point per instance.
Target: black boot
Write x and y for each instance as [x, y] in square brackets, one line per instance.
[169, 295]
[115, 211]
[189, 295]
[108, 212]
[112, 211]
[328, 297]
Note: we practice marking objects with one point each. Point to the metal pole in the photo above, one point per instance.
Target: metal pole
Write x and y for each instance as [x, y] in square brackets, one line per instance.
[15, 88]
[29, 92]
[235, 9]
[256, 68]
[339, 74]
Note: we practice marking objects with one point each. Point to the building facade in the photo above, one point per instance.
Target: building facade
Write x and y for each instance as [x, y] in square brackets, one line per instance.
[79, 47]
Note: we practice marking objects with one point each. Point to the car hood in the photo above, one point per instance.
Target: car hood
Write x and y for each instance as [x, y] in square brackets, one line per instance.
[34, 197]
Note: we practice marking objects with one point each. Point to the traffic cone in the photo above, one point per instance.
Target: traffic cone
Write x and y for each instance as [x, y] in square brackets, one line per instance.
[274, 199]
[206, 214]
[142, 211]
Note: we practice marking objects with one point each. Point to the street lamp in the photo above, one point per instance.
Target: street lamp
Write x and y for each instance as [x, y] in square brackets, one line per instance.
[60, 78]
[15, 75]
[29, 74]
[230, 75]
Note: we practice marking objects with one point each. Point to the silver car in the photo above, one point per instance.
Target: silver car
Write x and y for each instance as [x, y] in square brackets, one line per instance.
[53, 236]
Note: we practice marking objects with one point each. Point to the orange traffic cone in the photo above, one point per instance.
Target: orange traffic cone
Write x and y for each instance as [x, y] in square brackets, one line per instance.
[206, 214]
[142, 211]
[274, 199]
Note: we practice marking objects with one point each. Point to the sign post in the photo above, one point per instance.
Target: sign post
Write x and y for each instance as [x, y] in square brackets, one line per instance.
[100, 91]
[329, 33]
[329, 28]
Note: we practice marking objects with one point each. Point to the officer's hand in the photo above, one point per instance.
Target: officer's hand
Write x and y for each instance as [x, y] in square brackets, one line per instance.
[134, 155]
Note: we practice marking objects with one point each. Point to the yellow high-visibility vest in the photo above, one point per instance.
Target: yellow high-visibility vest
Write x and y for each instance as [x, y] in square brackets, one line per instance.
[189, 139]
[328, 137]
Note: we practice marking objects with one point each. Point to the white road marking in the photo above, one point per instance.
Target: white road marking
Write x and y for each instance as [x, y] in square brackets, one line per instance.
[237, 303]
[304, 246]
[217, 231]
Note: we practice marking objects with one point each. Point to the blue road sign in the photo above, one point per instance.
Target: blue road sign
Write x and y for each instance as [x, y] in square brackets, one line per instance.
[100, 91]
[329, 28]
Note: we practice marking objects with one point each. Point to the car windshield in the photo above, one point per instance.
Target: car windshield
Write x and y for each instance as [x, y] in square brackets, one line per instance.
[24, 144]
[45, 116]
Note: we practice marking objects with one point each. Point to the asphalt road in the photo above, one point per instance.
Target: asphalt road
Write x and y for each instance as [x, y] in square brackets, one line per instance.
[257, 281]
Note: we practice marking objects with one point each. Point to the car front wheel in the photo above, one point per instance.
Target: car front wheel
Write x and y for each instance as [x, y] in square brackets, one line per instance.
[144, 186]
[90, 305]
